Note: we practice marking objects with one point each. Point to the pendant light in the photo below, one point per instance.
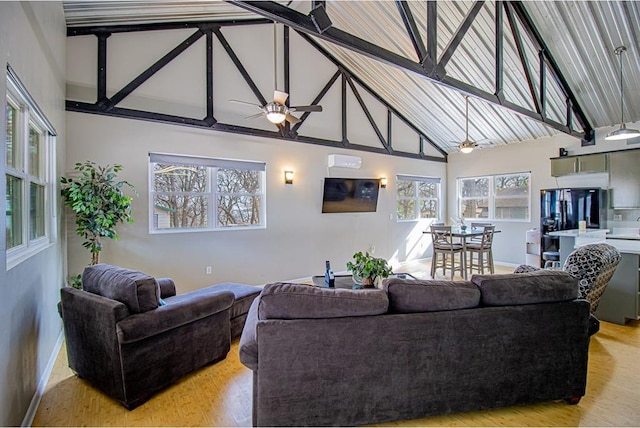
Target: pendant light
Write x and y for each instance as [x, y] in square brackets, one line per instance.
[623, 133]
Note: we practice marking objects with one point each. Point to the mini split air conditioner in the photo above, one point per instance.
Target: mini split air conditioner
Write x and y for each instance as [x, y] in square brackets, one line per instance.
[345, 161]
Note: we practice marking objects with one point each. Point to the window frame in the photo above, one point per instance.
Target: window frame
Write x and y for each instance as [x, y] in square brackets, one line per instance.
[212, 194]
[492, 197]
[29, 116]
[416, 179]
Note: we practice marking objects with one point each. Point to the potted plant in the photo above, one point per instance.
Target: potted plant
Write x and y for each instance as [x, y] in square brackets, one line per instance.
[99, 203]
[366, 269]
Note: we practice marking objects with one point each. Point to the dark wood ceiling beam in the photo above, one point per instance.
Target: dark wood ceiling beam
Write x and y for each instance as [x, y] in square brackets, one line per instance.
[412, 29]
[243, 71]
[523, 57]
[457, 38]
[367, 113]
[371, 92]
[153, 69]
[499, 58]
[302, 23]
[557, 75]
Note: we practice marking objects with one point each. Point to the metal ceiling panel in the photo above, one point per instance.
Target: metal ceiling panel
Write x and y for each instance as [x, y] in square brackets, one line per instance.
[581, 36]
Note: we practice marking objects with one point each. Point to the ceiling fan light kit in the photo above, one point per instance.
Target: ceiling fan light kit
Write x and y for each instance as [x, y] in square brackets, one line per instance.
[467, 146]
[276, 113]
[622, 133]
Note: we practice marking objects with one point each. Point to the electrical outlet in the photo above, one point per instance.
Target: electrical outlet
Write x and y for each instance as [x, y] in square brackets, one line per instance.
[208, 270]
[617, 217]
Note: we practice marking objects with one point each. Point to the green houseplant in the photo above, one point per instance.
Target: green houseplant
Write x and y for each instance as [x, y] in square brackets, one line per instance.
[99, 203]
[366, 269]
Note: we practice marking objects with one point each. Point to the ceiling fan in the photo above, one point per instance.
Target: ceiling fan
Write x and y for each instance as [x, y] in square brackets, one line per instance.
[467, 145]
[277, 111]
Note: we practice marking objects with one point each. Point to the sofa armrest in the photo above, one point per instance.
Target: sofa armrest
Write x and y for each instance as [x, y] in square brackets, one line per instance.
[167, 287]
[177, 312]
[248, 349]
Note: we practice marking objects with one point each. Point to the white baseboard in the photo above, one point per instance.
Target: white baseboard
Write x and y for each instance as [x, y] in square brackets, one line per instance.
[42, 383]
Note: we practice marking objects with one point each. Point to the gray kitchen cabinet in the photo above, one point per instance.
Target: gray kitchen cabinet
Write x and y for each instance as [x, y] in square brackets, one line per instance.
[579, 164]
[621, 300]
[624, 179]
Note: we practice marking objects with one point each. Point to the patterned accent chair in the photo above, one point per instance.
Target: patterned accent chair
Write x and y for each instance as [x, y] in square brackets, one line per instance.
[593, 265]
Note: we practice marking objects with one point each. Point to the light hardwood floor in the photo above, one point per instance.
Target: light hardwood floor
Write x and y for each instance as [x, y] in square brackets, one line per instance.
[220, 394]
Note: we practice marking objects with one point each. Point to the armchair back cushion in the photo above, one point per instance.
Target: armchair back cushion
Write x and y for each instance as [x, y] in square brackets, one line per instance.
[138, 291]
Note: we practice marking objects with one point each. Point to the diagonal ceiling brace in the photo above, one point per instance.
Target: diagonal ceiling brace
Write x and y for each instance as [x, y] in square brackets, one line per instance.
[303, 23]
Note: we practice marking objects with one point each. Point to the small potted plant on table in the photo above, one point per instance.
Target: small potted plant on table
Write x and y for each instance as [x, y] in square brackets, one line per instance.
[366, 269]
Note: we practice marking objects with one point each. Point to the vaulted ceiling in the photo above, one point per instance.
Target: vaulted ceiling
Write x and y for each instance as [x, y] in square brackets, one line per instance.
[423, 58]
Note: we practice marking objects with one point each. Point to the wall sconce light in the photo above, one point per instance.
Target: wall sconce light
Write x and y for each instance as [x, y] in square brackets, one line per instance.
[288, 177]
[383, 182]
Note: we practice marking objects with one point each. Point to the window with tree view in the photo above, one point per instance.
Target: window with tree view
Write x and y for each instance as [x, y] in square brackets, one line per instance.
[417, 197]
[195, 193]
[29, 147]
[496, 197]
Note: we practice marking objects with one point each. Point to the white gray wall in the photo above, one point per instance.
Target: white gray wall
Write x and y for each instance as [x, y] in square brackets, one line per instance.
[32, 41]
[298, 238]
[533, 155]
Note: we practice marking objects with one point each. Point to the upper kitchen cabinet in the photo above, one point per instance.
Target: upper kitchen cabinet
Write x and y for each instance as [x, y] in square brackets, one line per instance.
[579, 164]
[624, 179]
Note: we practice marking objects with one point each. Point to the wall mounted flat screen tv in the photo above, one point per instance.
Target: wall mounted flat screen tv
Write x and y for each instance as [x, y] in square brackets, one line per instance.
[350, 195]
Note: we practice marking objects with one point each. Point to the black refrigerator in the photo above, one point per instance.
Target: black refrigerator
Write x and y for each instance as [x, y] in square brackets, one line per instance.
[563, 209]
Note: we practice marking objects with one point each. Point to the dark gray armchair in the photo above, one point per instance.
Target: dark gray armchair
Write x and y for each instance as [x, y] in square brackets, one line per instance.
[130, 335]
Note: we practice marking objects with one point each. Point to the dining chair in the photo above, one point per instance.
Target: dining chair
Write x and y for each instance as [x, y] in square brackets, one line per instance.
[482, 249]
[444, 246]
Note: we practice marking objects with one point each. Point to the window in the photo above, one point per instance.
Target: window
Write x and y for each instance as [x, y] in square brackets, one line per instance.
[417, 197]
[496, 197]
[29, 148]
[189, 193]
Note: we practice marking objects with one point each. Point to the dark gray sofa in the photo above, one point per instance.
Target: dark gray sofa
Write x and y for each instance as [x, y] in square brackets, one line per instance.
[413, 349]
[125, 340]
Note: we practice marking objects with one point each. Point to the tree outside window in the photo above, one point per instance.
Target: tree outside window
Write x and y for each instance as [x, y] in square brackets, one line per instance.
[417, 197]
[498, 197]
[206, 195]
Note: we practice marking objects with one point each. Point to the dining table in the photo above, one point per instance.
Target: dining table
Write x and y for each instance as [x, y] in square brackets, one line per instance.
[464, 233]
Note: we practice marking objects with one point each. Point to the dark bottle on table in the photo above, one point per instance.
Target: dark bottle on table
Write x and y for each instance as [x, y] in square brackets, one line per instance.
[329, 277]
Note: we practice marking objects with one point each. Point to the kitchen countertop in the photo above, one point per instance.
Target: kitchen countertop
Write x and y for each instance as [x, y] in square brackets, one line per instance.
[623, 240]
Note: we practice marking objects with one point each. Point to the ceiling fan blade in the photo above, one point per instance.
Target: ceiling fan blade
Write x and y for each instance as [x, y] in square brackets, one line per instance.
[292, 119]
[245, 102]
[253, 116]
[280, 97]
[306, 108]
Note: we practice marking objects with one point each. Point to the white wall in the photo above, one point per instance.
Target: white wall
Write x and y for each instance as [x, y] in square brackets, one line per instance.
[298, 238]
[32, 41]
[533, 155]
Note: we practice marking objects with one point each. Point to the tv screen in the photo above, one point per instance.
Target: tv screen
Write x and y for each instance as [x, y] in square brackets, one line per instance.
[350, 195]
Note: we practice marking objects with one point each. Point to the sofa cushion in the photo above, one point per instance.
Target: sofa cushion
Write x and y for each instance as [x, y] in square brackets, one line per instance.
[526, 288]
[138, 291]
[292, 301]
[406, 296]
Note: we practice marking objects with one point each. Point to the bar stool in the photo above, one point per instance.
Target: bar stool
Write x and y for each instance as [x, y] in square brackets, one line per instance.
[443, 245]
[482, 248]
[551, 259]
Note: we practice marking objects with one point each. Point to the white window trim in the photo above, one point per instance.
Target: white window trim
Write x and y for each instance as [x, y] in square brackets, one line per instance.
[415, 179]
[492, 198]
[211, 195]
[30, 113]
